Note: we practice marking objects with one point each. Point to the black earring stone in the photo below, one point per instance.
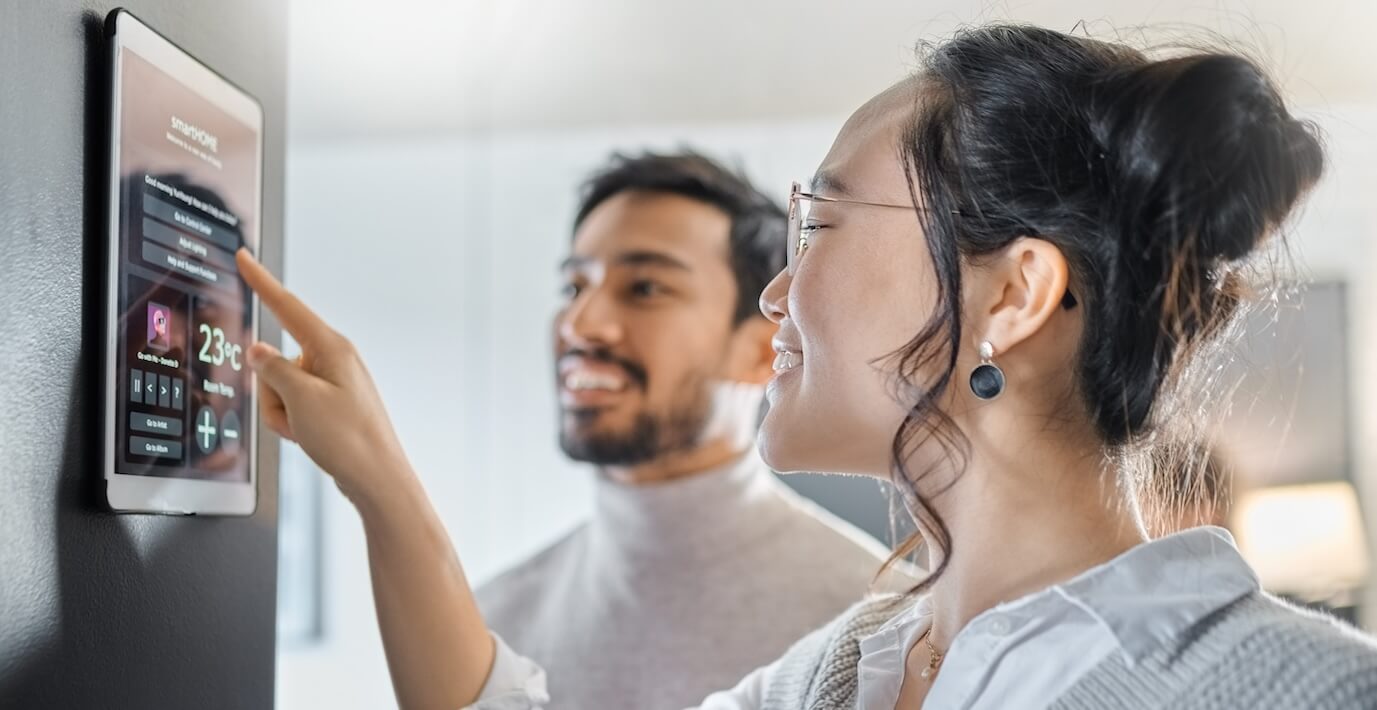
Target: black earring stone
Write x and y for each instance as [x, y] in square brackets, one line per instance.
[987, 381]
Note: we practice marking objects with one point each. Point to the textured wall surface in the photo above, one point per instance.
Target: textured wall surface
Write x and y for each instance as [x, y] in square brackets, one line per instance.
[99, 610]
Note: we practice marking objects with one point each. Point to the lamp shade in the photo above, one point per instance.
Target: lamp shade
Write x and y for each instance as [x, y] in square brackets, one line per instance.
[1304, 540]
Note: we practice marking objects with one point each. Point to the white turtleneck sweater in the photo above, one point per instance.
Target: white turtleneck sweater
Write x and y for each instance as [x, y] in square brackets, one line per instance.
[674, 590]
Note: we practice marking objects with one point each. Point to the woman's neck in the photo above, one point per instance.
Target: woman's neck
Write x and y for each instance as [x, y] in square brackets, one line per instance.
[1023, 518]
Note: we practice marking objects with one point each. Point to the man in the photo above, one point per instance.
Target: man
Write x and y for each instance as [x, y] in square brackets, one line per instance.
[698, 565]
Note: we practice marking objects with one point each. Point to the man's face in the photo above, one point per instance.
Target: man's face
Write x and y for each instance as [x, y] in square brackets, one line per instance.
[645, 328]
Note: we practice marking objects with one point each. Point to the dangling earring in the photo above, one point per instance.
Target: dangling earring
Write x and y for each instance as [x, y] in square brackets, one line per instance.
[987, 380]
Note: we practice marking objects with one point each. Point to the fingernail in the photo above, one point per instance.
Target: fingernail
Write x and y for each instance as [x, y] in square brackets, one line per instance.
[259, 353]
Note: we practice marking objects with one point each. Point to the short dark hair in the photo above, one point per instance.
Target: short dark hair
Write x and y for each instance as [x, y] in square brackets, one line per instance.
[758, 225]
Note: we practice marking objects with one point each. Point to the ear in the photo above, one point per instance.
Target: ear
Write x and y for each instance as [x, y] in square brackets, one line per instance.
[1019, 292]
[751, 356]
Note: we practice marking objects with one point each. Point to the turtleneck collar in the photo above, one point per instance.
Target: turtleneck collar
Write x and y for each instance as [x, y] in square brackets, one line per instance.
[694, 515]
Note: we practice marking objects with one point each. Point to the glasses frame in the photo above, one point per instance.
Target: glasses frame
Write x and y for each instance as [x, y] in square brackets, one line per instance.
[796, 242]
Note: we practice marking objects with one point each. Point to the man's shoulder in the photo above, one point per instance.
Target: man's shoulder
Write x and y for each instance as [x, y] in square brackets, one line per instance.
[825, 537]
[518, 586]
[812, 519]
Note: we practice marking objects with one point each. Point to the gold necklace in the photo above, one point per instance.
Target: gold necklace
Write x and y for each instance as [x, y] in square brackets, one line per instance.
[934, 656]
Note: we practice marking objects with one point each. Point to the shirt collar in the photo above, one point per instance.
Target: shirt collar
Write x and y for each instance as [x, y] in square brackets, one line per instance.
[1145, 597]
[1153, 593]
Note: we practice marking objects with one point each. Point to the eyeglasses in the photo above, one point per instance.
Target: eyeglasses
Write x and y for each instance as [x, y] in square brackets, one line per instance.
[800, 203]
[800, 233]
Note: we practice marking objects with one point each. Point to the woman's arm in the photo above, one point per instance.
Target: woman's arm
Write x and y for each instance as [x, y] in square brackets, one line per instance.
[439, 651]
[749, 694]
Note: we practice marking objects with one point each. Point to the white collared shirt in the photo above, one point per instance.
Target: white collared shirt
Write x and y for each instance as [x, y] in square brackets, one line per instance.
[1025, 653]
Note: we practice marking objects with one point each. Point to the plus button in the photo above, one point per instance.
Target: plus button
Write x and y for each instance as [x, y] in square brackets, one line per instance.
[206, 430]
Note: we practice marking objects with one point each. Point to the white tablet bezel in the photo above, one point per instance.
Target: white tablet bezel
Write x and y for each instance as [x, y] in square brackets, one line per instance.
[158, 494]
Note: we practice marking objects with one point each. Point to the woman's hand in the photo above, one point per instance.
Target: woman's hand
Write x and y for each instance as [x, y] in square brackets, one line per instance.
[325, 399]
[438, 649]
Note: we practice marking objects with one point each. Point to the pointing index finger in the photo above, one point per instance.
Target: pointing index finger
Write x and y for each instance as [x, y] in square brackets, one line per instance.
[298, 319]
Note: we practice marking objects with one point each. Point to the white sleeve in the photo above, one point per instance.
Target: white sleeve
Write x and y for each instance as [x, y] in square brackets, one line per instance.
[518, 683]
[515, 682]
[749, 694]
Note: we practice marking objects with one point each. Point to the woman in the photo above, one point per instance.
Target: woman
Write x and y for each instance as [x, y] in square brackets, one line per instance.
[1003, 269]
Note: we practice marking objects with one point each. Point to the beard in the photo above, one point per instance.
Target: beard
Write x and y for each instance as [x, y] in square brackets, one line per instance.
[649, 436]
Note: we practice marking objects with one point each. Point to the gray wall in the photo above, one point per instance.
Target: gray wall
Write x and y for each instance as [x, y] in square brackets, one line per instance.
[98, 610]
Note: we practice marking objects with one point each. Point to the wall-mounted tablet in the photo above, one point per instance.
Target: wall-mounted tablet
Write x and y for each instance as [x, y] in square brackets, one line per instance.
[186, 163]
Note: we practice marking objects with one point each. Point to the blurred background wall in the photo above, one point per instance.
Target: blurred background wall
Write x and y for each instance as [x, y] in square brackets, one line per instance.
[434, 152]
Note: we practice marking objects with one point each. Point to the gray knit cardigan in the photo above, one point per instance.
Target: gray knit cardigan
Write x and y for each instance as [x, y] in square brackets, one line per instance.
[1257, 653]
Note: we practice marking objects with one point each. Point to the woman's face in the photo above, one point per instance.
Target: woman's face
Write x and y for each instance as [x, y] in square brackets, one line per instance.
[861, 292]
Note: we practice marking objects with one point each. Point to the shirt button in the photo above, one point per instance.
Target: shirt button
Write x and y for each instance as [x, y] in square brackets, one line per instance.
[999, 626]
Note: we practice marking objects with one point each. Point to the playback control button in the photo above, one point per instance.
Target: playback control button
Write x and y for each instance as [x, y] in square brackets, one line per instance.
[154, 424]
[160, 448]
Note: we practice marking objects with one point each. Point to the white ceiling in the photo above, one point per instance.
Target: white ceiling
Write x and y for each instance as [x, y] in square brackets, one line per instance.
[361, 69]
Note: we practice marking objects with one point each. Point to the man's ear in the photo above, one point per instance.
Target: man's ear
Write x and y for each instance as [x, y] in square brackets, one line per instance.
[1018, 292]
[752, 356]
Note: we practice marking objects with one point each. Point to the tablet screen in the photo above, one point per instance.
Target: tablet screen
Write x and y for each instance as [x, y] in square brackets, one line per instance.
[188, 197]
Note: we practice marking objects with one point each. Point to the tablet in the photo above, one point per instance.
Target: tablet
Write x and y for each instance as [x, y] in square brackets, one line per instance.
[185, 192]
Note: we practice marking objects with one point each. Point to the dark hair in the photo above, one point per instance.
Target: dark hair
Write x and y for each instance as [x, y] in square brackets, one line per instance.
[1152, 176]
[758, 226]
[1190, 481]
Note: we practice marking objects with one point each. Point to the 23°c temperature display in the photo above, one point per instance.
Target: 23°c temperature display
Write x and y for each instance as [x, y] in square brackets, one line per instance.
[216, 349]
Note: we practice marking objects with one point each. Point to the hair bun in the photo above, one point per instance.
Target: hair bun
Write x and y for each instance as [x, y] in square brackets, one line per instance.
[1210, 160]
